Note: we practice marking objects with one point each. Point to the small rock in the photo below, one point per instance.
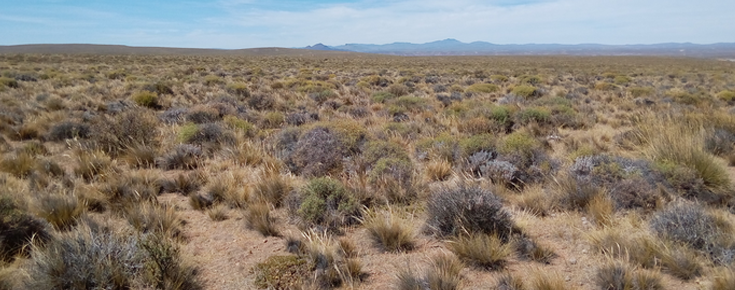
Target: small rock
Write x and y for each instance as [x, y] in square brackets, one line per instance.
[568, 278]
[573, 261]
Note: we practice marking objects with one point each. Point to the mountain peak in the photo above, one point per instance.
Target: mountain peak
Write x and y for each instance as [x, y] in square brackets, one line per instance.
[319, 46]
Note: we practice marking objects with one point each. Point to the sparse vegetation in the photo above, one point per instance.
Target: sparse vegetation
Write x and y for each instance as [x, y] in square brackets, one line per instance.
[460, 165]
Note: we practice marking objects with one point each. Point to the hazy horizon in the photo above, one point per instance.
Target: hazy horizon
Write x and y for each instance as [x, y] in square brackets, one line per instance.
[235, 24]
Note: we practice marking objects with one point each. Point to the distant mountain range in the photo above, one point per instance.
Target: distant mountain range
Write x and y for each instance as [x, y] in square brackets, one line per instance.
[455, 47]
[436, 48]
[133, 50]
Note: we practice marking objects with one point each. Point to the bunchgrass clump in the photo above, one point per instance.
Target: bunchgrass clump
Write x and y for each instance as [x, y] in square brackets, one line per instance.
[482, 250]
[444, 272]
[151, 218]
[619, 276]
[258, 217]
[389, 232]
[60, 209]
[18, 230]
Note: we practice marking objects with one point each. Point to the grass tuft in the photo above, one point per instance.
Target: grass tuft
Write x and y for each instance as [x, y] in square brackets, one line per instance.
[391, 233]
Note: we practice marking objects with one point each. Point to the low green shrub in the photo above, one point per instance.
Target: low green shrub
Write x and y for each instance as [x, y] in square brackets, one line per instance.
[482, 88]
[526, 91]
[147, 99]
[327, 202]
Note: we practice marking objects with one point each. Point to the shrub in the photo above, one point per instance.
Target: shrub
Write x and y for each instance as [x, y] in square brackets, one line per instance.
[638, 92]
[408, 103]
[258, 217]
[482, 88]
[239, 89]
[382, 97]
[327, 202]
[147, 99]
[473, 209]
[247, 128]
[499, 78]
[210, 133]
[399, 90]
[300, 118]
[211, 80]
[482, 250]
[272, 120]
[443, 146]
[478, 125]
[530, 79]
[173, 115]
[18, 230]
[389, 232]
[720, 142]
[726, 96]
[317, 153]
[261, 102]
[477, 143]
[87, 258]
[526, 91]
[323, 96]
[184, 156]
[68, 130]
[537, 114]
[160, 87]
[622, 80]
[689, 224]
[281, 272]
[202, 114]
[603, 86]
[8, 82]
[115, 134]
[631, 183]
[393, 178]
[376, 150]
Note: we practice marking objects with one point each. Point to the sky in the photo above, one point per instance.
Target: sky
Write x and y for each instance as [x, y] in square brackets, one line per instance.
[233, 24]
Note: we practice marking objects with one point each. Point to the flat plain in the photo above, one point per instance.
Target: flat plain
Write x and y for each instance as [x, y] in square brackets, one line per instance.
[357, 171]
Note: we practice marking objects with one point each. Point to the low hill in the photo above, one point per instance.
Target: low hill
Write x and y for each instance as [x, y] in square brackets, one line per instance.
[132, 50]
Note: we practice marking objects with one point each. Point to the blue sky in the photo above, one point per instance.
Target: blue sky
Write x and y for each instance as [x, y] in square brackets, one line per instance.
[267, 23]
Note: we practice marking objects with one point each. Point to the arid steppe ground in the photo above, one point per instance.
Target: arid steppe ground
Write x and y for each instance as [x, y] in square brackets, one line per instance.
[355, 171]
